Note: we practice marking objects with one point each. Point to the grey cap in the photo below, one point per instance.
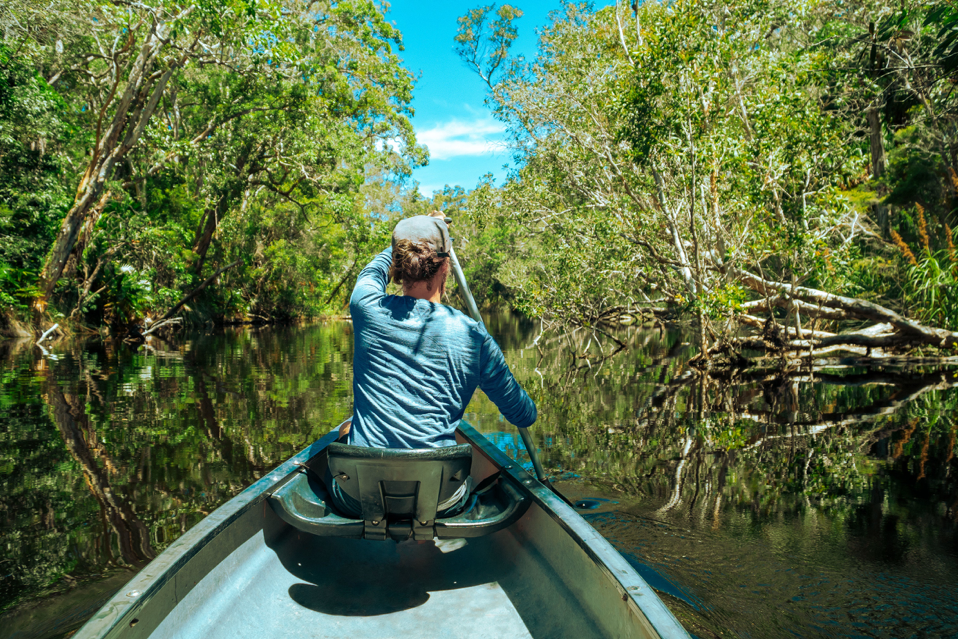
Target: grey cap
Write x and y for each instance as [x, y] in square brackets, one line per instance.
[424, 229]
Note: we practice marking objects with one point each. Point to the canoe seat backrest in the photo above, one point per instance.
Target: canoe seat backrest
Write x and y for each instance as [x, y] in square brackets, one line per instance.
[397, 484]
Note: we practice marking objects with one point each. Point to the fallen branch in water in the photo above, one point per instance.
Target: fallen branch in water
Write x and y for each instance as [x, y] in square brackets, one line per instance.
[908, 331]
[160, 324]
[47, 333]
[809, 310]
[890, 336]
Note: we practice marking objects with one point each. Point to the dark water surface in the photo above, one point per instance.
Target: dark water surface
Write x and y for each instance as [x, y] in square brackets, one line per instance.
[760, 505]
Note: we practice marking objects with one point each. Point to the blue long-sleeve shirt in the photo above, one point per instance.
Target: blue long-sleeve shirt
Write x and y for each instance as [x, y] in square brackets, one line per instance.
[416, 365]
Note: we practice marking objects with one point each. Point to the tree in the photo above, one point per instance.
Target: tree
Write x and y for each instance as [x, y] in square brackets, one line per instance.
[196, 114]
[644, 160]
[32, 163]
[700, 161]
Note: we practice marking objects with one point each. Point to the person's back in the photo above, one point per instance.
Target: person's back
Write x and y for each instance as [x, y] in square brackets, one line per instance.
[417, 362]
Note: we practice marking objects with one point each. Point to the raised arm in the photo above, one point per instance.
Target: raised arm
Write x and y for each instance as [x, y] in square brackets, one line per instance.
[373, 279]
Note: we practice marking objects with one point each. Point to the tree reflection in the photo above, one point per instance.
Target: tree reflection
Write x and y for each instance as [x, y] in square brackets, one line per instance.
[80, 438]
[871, 450]
[108, 454]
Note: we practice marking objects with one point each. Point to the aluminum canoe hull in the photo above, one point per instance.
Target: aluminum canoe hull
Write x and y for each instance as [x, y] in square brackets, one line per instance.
[243, 572]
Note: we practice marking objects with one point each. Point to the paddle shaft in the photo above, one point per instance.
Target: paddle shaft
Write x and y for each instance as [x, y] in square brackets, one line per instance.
[474, 311]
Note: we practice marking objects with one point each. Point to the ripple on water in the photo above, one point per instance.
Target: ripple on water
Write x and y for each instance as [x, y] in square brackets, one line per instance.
[721, 585]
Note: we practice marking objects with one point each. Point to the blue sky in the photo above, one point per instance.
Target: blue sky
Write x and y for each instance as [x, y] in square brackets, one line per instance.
[464, 140]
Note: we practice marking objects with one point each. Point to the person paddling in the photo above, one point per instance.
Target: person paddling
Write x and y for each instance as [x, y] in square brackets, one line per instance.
[416, 361]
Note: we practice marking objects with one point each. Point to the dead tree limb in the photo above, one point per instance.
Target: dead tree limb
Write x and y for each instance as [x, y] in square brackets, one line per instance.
[179, 305]
[852, 307]
[161, 324]
[809, 310]
[759, 323]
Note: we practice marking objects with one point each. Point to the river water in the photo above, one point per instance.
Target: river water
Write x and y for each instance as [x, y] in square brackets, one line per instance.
[805, 504]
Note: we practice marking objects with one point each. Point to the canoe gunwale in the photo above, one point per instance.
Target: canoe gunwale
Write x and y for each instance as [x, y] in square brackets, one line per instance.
[122, 608]
[631, 586]
[117, 614]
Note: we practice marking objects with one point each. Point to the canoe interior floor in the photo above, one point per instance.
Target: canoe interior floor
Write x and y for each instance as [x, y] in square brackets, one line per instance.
[302, 586]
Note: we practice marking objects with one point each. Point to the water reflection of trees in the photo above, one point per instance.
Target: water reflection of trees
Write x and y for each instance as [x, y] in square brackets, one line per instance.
[108, 454]
[872, 448]
[80, 437]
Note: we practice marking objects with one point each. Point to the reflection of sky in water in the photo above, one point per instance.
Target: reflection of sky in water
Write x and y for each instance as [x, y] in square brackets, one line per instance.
[721, 497]
[511, 445]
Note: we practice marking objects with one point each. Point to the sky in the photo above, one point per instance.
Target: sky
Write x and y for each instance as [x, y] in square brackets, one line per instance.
[465, 142]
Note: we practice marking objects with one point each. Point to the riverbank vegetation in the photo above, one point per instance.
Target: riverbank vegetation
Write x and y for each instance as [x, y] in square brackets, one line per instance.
[151, 150]
[785, 174]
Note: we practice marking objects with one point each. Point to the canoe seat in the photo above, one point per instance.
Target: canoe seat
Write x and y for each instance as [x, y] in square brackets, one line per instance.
[399, 491]
[399, 484]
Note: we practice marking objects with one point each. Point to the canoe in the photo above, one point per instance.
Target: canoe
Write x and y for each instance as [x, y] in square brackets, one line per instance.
[275, 561]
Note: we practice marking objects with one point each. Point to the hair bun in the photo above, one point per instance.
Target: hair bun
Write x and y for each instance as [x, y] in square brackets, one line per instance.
[414, 262]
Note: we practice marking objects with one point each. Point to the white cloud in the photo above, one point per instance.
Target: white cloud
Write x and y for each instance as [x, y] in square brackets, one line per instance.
[457, 138]
[426, 190]
[393, 144]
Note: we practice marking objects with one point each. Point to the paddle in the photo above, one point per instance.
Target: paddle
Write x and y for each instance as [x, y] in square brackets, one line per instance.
[523, 432]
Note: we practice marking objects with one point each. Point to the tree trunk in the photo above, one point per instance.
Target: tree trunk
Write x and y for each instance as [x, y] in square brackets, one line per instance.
[179, 305]
[213, 216]
[205, 235]
[876, 142]
[144, 88]
[348, 274]
[685, 269]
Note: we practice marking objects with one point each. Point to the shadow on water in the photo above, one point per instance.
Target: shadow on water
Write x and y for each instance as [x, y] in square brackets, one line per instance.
[807, 503]
[661, 583]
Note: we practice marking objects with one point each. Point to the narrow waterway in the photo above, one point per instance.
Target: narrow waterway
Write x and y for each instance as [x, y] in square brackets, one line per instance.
[766, 505]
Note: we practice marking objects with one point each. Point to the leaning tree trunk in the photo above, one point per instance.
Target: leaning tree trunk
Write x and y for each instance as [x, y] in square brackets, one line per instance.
[145, 86]
[876, 142]
[215, 214]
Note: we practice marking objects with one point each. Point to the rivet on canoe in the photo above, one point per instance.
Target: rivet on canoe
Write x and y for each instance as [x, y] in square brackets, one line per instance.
[133, 593]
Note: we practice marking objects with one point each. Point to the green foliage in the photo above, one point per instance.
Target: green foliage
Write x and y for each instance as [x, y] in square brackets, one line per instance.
[265, 131]
[485, 35]
[914, 171]
[645, 162]
[33, 195]
[714, 135]
[931, 289]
